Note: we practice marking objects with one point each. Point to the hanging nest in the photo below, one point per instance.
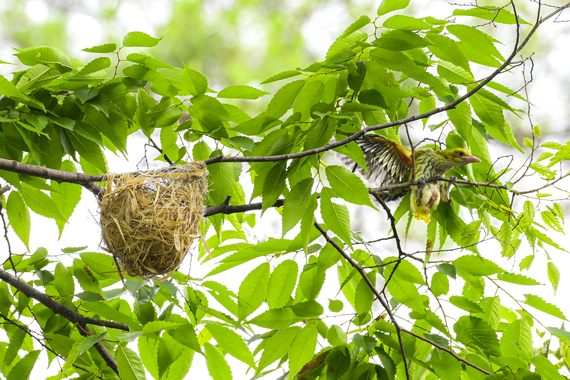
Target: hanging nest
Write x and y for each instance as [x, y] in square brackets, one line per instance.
[150, 219]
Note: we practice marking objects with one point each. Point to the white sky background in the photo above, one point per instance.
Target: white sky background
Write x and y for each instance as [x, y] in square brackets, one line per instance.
[550, 111]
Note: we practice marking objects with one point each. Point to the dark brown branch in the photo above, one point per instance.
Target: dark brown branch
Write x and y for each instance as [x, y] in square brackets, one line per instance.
[100, 347]
[225, 208]
[56, 307]
[362, 273]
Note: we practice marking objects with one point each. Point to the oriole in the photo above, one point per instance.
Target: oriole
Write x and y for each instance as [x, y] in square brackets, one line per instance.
[390, 163]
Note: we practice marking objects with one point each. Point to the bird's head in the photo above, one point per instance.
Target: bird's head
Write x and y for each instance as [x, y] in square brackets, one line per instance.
[459, 157]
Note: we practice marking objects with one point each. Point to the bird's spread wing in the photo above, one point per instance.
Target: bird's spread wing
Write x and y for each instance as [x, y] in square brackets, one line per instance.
[388, 162]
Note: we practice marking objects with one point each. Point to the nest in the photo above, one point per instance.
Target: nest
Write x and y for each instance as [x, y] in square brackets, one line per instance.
[150, 219]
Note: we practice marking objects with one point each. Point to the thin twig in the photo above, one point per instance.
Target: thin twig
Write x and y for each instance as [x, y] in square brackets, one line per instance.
[360, 270]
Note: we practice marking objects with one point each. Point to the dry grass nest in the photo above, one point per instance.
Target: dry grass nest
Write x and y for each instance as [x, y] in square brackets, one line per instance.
[150, 219]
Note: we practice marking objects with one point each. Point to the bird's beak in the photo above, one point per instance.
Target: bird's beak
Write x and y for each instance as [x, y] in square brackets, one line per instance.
[472, 159]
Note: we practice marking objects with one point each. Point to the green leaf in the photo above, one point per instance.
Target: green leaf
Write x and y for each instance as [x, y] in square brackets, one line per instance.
[445, 365]
[14, 346]
[281, 75]
[105, 48]
[241, 92]
[303, 348]
[320, 133]
[41, 203]
[363, 298]
[276, 319]
[252, 291]
[278, 346]
[387, 6]
[544, 368]
[283, 99]
[540, 304]
[518, 279]
[477, 45]
[23, 369]
[439, 284]
[64, 281]
[473, 331]
[140, 39]
[220, 180]
[148, 61]
[406, 293]
[296, 204]
[517, 340]
[476, 265]
[465, 304]
[281, 284]
[217, 365]
[553, 275]
[185, 334]
[308, 309]
[44, 54]
[311, 282]
[336, 217]
[274, 184]
[194, 82]
[129, 364]
[405, 23]
[491, 13]
[19, 217]
[231, 342]
[309, 95]
[94, 66]
[348, 185]
[336, 336]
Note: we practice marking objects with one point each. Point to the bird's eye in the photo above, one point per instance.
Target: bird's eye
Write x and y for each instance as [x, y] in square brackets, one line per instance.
[461, 154]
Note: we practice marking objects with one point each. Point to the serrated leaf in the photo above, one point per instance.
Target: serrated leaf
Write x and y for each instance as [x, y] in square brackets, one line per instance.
[252, 291]
[283, 99]
[281, 284]
[302, 348]
[105, 48]
[276, 318]
[129, 364]
[140, 39]
[336, 217]
[23, 369]
[387, 6]
[281, 75]
[473, 331]
[517, 279]
[278, 345]
[194, 82]
[217, 365]
[241, 92]
[296, 203]
[476, 265]
[19, 216]
[231, 342]
[465, 304]
[553, 275]
[540, 304]
[348, 185]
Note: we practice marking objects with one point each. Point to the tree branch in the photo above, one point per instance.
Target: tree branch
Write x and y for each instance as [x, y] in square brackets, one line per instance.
[374, 290]
[56, 307]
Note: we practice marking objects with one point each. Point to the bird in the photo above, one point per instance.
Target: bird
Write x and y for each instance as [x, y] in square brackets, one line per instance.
[389, 163]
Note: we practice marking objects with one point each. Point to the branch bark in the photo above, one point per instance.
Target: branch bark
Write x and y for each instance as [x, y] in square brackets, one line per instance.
[56, 307]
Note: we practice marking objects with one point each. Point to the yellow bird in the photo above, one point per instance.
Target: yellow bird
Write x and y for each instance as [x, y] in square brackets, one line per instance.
[390, 163]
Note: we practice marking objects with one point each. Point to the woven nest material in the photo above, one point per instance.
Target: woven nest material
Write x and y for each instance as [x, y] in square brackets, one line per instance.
[149, 220]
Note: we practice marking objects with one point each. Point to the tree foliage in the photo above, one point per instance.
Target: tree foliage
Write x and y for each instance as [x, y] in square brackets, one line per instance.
[393, 314]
